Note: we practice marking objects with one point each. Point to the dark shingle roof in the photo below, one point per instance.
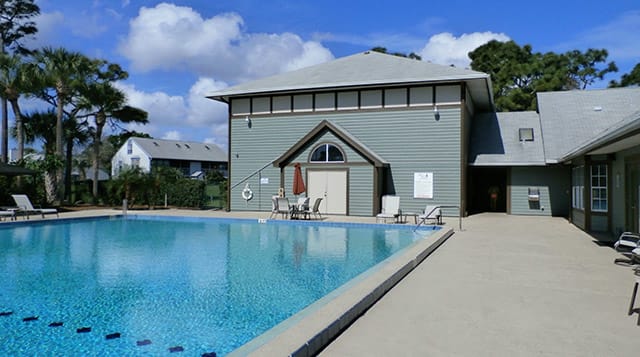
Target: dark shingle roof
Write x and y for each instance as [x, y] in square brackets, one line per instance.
[495, 140]
[570, 119]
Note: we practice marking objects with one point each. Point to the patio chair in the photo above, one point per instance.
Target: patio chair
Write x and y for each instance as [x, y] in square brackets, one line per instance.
[315, 211]
[431, 212]
[303, 203]
[390, 208]
[283, 207]
[274, 206]
[25, 206]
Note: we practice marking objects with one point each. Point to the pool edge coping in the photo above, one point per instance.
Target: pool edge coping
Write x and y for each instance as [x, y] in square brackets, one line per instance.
[307, 333]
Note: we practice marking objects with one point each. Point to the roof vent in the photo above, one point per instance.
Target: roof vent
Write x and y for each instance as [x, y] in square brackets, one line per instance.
[156, 143]
[207, 147]
[597, 108]
[187, 145]
[178, 145]
[525, 134]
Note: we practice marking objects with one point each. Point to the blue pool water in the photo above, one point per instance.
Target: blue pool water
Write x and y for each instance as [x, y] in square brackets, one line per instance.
[205, 285]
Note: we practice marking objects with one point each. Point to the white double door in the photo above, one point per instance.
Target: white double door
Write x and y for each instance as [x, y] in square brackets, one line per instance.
[331, 185]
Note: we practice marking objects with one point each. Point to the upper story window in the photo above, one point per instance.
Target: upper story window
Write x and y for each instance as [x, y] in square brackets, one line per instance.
[129, 147]
[327, 153]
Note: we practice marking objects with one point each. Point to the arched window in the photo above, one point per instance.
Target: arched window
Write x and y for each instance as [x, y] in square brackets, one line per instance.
[327, 153]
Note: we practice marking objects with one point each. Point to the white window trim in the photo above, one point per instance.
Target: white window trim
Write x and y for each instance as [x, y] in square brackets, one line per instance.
[604, 188]
[326, 154]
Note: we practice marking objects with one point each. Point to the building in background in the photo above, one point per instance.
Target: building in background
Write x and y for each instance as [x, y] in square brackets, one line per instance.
[192, 158]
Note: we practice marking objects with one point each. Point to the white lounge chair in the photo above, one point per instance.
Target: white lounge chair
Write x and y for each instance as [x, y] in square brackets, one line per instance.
[25, 206]
[9, 213]
[390, 208]
[431, 212]
[627, 242]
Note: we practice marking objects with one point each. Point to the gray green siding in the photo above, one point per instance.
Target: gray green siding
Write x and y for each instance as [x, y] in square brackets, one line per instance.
[578, 219]
[553, 183]
[361, 190]
[409, 140]
[599, 222]
[617, 186]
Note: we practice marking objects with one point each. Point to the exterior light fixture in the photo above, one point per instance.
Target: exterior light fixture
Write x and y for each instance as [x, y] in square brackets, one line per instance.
[436, 113]
[248, 121]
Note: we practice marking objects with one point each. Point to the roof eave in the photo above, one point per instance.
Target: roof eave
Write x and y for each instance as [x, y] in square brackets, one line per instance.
[225, 96]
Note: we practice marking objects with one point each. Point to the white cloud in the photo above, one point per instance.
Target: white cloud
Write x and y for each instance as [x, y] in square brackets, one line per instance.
[162, 108]
[172, 135]
[192, 118]
[177, 37]
[204, 111]
[445, 48]
[164, 111]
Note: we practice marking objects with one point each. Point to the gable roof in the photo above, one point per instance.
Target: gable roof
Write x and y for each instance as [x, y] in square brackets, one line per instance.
[180, 150]
[572, 118]
[341, 134]
[495, 140]
[364, 69]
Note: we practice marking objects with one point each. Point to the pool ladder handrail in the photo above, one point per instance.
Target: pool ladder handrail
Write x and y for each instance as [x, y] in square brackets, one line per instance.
[427, 214]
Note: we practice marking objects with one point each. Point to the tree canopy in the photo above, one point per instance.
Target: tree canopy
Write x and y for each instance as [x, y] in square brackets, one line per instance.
[15, 24]
[518, 73]
[630, 79]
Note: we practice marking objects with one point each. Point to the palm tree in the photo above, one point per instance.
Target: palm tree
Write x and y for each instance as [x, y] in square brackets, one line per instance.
[74, 133]
[107, 104]
[59, 73]
[13, 82]
[40, 126]
[15, 24]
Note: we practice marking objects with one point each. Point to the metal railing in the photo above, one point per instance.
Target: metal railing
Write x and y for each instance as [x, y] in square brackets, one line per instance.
[246, 178]
[252, 174]
[427, 214]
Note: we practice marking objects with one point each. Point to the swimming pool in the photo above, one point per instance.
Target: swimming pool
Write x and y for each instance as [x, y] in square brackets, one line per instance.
[152, 285]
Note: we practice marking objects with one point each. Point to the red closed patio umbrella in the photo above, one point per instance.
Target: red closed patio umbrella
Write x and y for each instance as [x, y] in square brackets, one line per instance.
[298, 182]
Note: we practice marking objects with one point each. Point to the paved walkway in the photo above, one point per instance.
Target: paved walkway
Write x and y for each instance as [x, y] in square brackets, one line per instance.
[505, 286]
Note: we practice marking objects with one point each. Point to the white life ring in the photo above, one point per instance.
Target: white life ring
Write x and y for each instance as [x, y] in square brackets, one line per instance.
[247, 194]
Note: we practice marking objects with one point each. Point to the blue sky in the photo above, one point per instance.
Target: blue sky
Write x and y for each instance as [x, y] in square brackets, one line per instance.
[178, 52]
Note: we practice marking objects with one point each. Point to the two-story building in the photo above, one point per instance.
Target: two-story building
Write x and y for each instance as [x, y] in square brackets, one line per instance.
[192, 158]
[373, 124]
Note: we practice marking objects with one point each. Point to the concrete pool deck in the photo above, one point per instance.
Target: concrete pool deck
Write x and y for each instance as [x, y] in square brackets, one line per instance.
[505, 285]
